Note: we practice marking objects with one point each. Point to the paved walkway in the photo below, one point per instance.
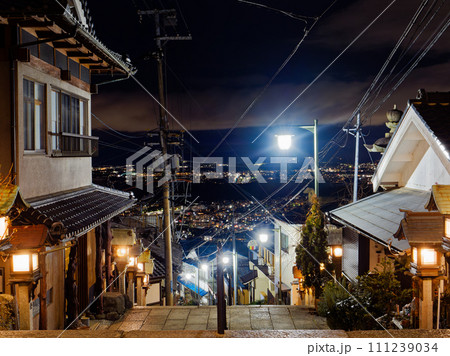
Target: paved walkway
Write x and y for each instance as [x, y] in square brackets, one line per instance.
[205, 318]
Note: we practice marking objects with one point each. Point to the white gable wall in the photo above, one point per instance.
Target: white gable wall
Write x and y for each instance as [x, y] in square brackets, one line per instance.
[428, 172]
[413, 158]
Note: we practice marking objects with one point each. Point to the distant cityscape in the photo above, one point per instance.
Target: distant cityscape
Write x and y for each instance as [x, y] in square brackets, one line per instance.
[210, 217]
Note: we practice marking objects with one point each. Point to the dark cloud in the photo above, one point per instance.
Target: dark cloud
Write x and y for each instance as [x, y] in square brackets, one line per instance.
[224, 74]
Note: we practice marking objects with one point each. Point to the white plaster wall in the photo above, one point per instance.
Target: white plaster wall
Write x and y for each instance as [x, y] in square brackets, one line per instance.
[262, 283]
[38, 173]
[287, 258]
[429, 171]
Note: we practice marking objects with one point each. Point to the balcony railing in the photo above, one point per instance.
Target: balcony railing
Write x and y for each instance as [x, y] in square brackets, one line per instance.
[66, 144]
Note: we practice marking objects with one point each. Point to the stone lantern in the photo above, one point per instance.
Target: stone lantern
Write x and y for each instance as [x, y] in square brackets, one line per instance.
[424, 232]
[122, 242]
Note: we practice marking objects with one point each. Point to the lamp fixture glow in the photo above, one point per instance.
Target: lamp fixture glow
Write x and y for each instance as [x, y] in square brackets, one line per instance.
[132, 262]
[263, 238]
[322, 266]
[337, 252]
[34, 261]
[429, 256]
[22, 263]
[3, 227]
[188, 277]
[225, 260]
[122, 252]
[284, 141]
[204, 267]
[414, 255]
[140, 267]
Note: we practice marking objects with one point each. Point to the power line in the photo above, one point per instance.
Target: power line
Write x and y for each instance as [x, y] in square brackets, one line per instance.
[261, 93]
[324, 70]
[117, 132]
[286, 13]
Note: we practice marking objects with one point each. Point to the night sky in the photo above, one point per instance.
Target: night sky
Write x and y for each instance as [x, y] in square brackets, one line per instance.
[237, 47]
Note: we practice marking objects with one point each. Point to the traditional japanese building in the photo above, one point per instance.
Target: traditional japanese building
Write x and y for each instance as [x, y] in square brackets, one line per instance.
[55, 243]
[415, 163]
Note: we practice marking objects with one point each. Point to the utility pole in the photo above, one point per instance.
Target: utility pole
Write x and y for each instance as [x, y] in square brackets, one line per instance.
[234, 263]
[280, 292]
[164, 129]
[221, 305]
[356, 131]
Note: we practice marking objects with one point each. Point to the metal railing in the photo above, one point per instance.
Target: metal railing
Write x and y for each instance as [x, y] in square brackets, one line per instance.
[64, 144]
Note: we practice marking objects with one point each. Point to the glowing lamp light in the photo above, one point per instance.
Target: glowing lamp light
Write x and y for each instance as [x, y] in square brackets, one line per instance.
[122, 251]
[337, 252]
[284, 141]
[322, 266]
[25, 263]
[132, 262]
[140, 267]
[414, 255]
[3, 227]
[204, 267]
[225, 260]
[188, 277]
[429, 256]
[145, 279]
[263, 238]
[424, 256]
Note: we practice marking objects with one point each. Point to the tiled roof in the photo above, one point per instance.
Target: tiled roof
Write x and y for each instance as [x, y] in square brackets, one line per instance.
[60, 13]
[440, 199]
[8, 194]
[422, 227]
[84, 209]
[250, 276]
[378, 216]
[437, 117]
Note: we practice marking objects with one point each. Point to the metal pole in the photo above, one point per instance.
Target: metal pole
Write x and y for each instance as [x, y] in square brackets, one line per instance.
[212, 276]
[355, 177]
[166, 188]
[198, 276]
[234, 264]
[316, 162]
[280, 293]
[221, 305]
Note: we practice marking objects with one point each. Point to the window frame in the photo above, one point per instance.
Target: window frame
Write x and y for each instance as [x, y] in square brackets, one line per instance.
[81, 125]
[43, 119]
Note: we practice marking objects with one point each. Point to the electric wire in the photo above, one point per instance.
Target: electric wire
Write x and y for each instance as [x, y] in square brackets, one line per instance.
[324, 70]
[274, 76]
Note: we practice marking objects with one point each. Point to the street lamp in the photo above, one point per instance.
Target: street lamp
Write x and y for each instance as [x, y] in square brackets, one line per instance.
[337, 251]
[122, 242]
[263, 237]
[285, 142]
[24, 266]
[225, 260]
